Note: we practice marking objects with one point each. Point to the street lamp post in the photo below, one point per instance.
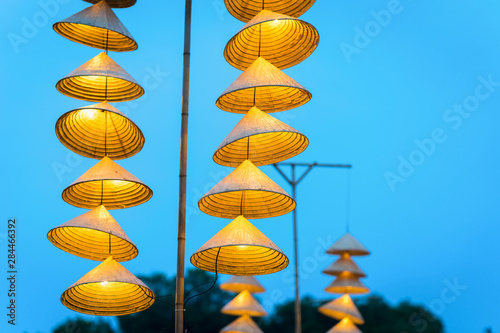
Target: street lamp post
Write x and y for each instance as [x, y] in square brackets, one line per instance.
[293, 181]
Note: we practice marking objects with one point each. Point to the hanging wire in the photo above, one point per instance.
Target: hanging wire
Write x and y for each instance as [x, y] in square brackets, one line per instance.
[109, 252]
[213, 284]
[106, 125]
[348, 200]
[107, 40]
[102, 190]
[159, 300]
[248, 148]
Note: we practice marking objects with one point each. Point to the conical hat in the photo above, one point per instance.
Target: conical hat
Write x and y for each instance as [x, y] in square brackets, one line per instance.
[94, 235]
[344, 264]
[345, 326]
[100, 79]
[237, 284]
[282, 40]
[244, 10]
[244, 304]
[98, 130]
[108, 290]
[243, 324]
[246, 191]
[347, 283]
[342, 307]
[264, 86]
[116, 3]
[108, 184]
[240, 249]
[348, 244]
[98, 27]
[260, 138]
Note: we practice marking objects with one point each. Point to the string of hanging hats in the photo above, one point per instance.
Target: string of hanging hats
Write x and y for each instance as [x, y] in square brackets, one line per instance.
[347, 282]
[244, 305]
[100, 131]
[272, 40]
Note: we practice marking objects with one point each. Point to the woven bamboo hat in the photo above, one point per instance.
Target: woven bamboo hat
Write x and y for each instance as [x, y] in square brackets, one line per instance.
[347, 283]
[244, 10]
[99, 130]
[265, 86]
[345, 326]
[282, 40]
[240, 249]
[100, 79]
[243, 324]
[246, 191]
[344, 264]
[108, 184]
[348, 244]
[260, 138]
[108, 290]
[237, 284]
[116, 3]
[244, 304]
[342, 307]
[94, 235]
[98, 27]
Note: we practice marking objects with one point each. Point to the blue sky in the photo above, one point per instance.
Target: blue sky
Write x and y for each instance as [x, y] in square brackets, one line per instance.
[413, 108]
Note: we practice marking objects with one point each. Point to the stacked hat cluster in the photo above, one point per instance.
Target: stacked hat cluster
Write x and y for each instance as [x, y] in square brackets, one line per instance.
[347, 282]
[102, 132]
[244, 305]
[272, 39]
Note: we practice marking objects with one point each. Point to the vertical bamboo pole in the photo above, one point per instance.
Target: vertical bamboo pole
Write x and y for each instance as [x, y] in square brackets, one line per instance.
[181, 237]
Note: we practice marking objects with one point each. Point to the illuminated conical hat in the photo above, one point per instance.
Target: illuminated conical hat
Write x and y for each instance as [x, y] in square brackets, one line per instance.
[98, 27]
[345, 326]
[244, 304]
[260, 138]
[244, 10]
[237, 284]
[246, 191]
[347, 283]
[264, 86]
[108, 184]
[342, 307]
[100, 79]
[108, 290]
[116, 3]
[240, 249]
[243, 324]
[348, 244]
[344, 264]
[282, 40]
[98, 130]
[94, 235]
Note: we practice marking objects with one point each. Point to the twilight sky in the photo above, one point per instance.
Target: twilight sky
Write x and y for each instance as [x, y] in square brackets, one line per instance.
[405, 91]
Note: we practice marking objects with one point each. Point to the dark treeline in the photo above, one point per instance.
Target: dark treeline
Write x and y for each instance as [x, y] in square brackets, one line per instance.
[203, 313]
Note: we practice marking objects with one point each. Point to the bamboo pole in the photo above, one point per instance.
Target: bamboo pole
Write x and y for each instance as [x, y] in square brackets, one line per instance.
[181, 237]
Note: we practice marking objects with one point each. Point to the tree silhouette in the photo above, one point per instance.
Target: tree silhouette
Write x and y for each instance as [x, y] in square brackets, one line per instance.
[80, 325]
[203, 313]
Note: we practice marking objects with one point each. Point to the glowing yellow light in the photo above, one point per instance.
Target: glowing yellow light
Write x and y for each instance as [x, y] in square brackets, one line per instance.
[90, 114]
[104, 283]
[242, 247]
